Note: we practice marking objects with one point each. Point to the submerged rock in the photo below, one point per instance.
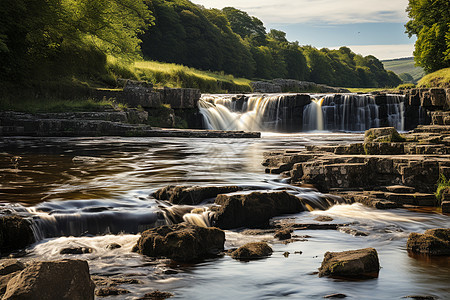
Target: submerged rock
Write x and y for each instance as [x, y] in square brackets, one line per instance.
[15, 233]
[156, 295]
[181, 242]
[192, 195]
[65, 279]
[76, 250]
[362, 263]
[254, 209]
[283, 234]
[432, 242]
[252, 251]
[339, 295]
[110, 291]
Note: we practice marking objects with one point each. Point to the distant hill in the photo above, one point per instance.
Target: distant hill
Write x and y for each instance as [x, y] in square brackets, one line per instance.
[404, 65]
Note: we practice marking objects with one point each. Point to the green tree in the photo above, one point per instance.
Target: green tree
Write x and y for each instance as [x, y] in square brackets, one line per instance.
[64, 36]
[246, 26]
[430, 22]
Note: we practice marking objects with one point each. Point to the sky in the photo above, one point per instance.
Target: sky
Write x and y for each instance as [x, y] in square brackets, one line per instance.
[373, 27]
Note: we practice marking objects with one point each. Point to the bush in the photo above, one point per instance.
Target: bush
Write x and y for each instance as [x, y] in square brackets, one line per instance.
[443, 185]
[406, 86]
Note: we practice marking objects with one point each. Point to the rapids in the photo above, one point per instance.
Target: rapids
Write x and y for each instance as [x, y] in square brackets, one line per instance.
[84, 192]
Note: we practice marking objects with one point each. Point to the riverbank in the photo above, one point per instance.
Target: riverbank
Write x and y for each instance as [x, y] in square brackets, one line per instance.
[73, 190]
[388, 170]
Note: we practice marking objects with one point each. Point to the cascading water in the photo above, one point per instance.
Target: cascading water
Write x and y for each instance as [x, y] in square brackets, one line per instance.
[280, 113]
[301, 112]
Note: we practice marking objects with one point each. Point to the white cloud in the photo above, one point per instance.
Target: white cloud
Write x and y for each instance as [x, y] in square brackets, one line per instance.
[318, 11]
[383, 51]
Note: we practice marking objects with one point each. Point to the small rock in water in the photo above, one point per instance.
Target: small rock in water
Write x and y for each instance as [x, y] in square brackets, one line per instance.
[298, 252]
[283, 234]
[170, 272]
[113, 246]
[361, 263]
[181, 242]
[156, 295]
[323, 219]
[286, 254]
[431, 242]
[352, 231]
[252, 251]
[110, 291]
[338, 295]
[76, 250]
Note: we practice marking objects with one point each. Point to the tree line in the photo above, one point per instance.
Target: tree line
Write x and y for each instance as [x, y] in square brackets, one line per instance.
[42, 39]
[232, 41]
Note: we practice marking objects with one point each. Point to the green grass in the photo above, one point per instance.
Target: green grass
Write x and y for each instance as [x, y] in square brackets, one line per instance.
[404, 65]
[439, 78]
[177, 76]
[443, 185]
[173, 75]
[365, 90]
[56, 105]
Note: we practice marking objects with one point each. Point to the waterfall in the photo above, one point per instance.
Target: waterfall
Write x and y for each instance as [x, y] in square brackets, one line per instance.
[301, 112]
[280, 113]
[313, 115]
[352, 112]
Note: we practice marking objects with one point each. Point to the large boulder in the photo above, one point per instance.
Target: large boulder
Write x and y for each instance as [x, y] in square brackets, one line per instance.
[383, 134]
[362, 263]
[432, 242]
[15, 233]
[253, 210]
[192, 195]
[181, 242]
[252, 251]
[65, 279]
[8, 269]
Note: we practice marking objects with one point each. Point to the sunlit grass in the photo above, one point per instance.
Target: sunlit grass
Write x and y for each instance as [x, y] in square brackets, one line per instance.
[365, 90]
[440, 78]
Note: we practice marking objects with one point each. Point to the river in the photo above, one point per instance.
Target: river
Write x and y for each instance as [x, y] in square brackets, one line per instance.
[94, 192]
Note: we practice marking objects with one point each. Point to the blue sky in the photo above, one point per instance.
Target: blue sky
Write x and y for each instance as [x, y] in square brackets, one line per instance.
[366, 26]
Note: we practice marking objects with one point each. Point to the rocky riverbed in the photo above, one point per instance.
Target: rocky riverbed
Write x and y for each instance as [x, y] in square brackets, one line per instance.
[272, 240]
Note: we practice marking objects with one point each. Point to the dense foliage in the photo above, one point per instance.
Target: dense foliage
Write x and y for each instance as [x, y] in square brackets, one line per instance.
[230, 40]
[40, 38]
[430, 22]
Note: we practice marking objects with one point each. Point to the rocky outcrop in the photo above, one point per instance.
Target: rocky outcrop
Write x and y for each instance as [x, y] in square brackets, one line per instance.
[253, 210]
[432, 242]
[362, 263]
[393, 170]
[192, 195]
[50, 125]
[8, 269]
[15, 233]
[66, 279]
[291, 85]
[252, 251]
[181, 242]
[141, 93]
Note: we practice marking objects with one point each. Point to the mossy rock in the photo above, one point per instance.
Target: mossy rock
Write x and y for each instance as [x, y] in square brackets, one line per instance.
[252, 251]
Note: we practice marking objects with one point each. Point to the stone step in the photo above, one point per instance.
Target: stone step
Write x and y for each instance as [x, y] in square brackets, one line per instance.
[400, 189]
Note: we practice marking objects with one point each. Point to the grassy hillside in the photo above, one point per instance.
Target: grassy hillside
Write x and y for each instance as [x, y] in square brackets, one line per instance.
[404, 65]
[439, 78]
[178, 76]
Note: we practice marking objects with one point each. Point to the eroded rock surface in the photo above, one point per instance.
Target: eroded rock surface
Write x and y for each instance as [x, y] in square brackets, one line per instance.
[181, 242]
[432, 242]
[362, 263]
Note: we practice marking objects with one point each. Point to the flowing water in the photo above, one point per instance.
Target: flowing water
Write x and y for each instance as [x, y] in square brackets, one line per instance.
[94, 192]
[290, 113]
